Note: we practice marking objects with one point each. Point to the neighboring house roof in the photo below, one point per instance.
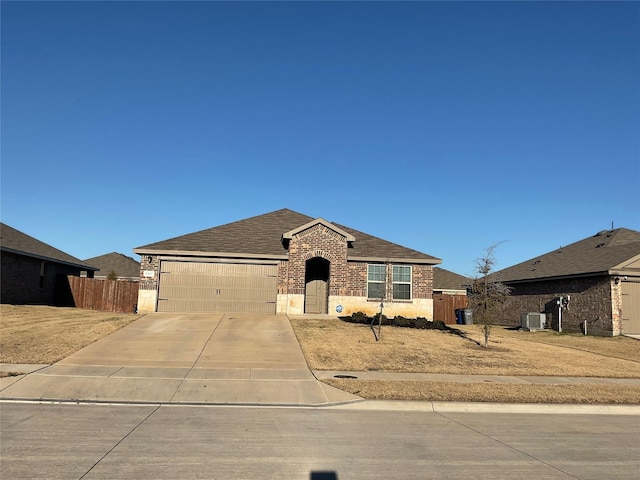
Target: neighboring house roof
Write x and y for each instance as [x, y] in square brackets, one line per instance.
[609, 252]
[265, 236]
[446, 280]
[14, 241]
[122, 265]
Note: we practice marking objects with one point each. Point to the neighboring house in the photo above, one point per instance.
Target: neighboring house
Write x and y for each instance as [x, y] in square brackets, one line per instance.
[34, 272]
[449, 294]
[284, 262]
[125, 268]
[450, 283]
[593, 283]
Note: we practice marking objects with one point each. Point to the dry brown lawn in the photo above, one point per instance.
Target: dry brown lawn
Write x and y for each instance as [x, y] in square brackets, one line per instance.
[492, 392]
[330, 344]
[42, 334]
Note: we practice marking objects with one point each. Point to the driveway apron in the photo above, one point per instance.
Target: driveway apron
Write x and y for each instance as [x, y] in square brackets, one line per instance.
[239, 359]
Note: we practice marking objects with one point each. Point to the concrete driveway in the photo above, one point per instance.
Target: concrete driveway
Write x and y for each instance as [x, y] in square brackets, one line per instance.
[186, 359]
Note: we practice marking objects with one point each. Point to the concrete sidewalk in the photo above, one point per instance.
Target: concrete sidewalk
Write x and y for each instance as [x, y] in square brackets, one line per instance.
[183, 359]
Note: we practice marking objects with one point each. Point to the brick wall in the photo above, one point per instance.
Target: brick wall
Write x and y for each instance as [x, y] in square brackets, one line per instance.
[594, 299]
[283, 275]
[317, 241]
[149, 263]
[21, 280]
[422, 281]
[357, 279]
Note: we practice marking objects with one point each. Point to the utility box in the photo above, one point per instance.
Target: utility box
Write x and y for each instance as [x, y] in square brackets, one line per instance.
[533, 321]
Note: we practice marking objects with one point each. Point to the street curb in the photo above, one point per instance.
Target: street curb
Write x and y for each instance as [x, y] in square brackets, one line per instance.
[477, 407]
[379, 405]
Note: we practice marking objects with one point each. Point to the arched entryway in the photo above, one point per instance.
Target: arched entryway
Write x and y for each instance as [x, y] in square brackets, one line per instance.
[316, 282]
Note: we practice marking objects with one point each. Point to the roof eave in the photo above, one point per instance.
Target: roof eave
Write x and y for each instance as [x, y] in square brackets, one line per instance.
[289, 235]
[190, 253]
[557, 277]
[50, 259]
[421, 261]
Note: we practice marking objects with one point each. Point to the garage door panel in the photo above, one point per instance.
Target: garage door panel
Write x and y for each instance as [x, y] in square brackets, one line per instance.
[631, 308]
[217, 287]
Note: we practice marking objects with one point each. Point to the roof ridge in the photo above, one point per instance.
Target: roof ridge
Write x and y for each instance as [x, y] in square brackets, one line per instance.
[594, 254]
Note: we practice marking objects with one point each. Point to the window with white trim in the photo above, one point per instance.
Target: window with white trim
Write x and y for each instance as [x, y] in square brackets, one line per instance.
[401, 279]
[376, 281]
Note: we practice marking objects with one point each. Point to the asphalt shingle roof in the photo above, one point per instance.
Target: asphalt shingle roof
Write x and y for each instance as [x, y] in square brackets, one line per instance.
[447, 280]
[600, 253]
[12, 240]
[262, 235]
[121, 264]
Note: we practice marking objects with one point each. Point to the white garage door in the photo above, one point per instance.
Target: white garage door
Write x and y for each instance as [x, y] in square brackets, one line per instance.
[217, 287]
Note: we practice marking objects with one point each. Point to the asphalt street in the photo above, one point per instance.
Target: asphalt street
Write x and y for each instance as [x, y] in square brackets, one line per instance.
[108, 441]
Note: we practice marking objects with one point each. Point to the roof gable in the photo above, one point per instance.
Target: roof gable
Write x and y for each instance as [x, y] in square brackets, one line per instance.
[318, 221]
[14, 241]
[599, 254]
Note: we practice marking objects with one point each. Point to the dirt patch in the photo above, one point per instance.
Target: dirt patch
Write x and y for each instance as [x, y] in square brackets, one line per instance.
[42, 334]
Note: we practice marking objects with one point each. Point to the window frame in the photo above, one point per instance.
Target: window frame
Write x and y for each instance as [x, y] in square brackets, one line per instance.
[390, 280]
[395, 282]
[382, 282]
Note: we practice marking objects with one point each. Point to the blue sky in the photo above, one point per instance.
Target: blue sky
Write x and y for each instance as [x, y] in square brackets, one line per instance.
[445, 127]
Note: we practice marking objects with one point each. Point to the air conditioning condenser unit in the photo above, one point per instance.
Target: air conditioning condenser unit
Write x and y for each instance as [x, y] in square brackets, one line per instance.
[533, 321]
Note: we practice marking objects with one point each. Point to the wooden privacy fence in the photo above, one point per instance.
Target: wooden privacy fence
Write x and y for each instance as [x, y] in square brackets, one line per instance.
[444, 306]
[105, 295]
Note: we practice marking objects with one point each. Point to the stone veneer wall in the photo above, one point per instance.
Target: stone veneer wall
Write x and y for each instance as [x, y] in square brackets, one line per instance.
[596, 300]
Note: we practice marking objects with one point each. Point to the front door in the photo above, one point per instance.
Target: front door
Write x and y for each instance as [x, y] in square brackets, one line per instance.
[316, 297]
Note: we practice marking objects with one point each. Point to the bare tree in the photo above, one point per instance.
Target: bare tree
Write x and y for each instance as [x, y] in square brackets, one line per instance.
[487, 295]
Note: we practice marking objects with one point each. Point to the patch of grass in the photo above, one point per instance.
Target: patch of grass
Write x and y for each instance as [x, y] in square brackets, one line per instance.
[43, 334]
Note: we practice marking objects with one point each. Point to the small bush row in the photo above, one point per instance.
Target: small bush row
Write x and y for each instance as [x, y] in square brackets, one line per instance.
[397, 321]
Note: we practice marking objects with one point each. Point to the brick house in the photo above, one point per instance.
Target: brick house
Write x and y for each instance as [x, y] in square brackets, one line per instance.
[34, 272]
[592, 284]
[284, 262]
